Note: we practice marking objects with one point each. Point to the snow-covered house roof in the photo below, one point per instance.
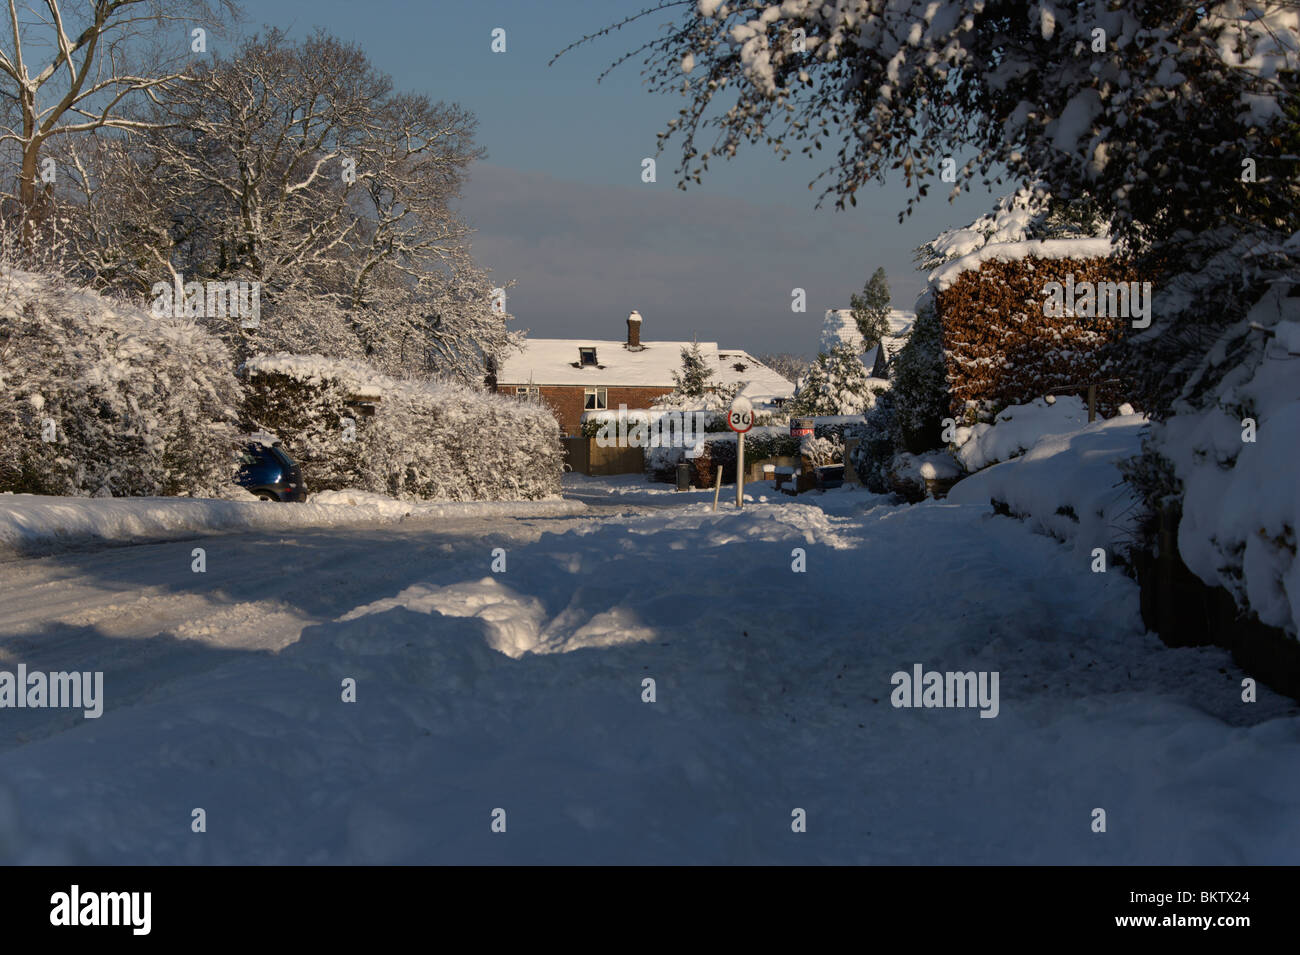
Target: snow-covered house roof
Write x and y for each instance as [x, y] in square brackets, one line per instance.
[761, 382]
[604, 362]
[560, 361]
[840, 328]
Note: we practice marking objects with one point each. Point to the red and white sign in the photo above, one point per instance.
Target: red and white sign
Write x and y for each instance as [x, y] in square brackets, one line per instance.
[740, 417]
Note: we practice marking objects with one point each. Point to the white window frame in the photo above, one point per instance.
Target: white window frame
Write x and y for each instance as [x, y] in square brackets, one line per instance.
[528, 391]
[601, 396]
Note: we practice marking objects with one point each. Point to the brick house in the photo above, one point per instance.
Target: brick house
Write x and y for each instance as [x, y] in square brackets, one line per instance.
[576, 375]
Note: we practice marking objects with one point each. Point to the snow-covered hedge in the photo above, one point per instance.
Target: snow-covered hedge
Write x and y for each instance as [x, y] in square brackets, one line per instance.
[101, 398]
[1234, 442]
[1002, 344]
[426, 440]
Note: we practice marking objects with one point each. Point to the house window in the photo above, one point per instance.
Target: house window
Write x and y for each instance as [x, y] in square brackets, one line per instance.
[586, 356]
[528, 391]
[595, 399]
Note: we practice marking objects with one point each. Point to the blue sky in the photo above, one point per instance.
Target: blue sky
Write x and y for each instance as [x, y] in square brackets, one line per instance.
[559, 206]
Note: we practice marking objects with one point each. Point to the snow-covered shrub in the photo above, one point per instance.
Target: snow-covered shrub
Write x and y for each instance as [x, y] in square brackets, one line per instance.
[1232, 446]
[822, 451]
[918, 476]
[1067, 483]
[718, 451]
[661, 463]
[763, 443]
[316, 418]
[1031, 212]
[426, 440]
[919, 384]
[1005, 341]
[103, 399]
[1017, 429]
[876, 444]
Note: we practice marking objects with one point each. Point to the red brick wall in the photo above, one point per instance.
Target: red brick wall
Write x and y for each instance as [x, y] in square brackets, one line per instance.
[567, 401]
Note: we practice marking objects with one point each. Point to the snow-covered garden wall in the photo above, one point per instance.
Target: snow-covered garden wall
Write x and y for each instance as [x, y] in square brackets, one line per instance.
[426, 440]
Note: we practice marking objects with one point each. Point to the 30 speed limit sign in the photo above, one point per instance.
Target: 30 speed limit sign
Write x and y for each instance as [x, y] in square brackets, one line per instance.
[740, 417]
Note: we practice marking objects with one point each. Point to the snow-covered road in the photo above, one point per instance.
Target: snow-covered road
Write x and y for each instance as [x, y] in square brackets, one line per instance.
[522, 690]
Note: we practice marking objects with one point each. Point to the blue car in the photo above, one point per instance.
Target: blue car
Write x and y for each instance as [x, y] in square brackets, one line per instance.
[269, 472]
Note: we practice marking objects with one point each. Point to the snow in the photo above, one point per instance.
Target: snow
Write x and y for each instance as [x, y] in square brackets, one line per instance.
[929, 466]
[1075, 121]
[1241, 507]
[552, 361]
[762, 384]
[36, 524]
[523, 691]
[1017, 429]
[840, 328]
[1067, 484]
[944, 276]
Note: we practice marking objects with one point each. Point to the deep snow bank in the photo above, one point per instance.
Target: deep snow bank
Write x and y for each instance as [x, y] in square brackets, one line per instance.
[1067, 484]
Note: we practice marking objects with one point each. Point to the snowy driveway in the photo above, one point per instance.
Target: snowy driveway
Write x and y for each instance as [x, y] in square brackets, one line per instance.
[523, 690]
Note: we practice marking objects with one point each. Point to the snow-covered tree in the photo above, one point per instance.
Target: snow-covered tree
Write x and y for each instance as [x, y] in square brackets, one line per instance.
[299, 167]
[70, 67]
[1031, 212]
[693, 388]
[836, 384]
[1152, 109]
[788, 366]
[871, 309]
[693, 379]
[919, 384]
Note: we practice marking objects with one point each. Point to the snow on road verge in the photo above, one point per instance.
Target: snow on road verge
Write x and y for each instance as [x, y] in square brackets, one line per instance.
[1069, 484]
[32, 525]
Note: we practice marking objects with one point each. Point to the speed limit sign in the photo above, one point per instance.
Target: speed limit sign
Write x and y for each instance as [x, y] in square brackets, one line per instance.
[740, 418]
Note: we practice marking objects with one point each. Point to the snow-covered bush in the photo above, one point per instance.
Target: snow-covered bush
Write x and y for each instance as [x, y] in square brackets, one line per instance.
[822, 451]
[919, 383]
[763, 443]
[1232, 447]
[426, 440]
[1067, 483]
[876, 445]
[316, 418]
[1017, 429]
[918, 476]
[1028, 213]
[103, 399]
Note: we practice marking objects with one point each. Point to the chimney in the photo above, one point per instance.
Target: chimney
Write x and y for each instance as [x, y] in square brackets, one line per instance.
[634, 331]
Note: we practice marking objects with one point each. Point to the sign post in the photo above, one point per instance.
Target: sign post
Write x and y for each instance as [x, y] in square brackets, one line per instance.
[740, 418]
